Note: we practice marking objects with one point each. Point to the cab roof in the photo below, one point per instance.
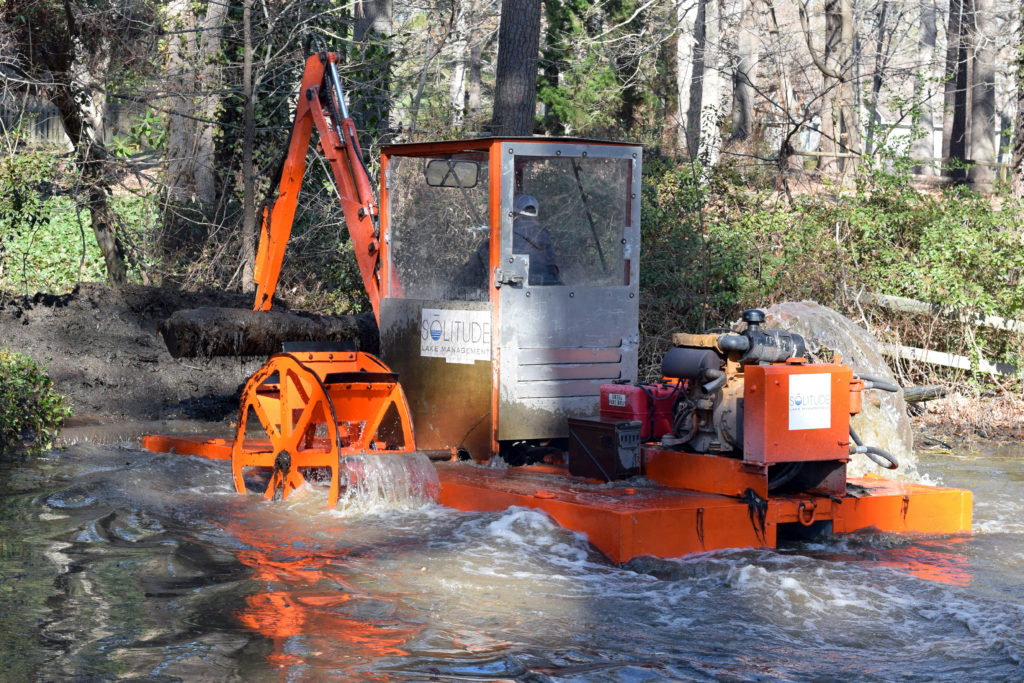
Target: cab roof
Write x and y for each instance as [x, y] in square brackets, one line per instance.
[484, 143]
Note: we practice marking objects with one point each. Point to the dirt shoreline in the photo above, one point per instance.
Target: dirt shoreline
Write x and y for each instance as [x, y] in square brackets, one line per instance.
[959, 418]
[104, 352]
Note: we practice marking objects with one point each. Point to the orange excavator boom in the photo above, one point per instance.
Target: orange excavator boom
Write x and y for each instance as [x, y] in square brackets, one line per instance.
[321, 105]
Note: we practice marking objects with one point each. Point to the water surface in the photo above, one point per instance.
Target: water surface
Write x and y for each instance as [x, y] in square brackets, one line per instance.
[119, 563]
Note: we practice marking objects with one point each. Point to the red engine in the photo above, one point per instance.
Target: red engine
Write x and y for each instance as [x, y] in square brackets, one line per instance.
[649, 404]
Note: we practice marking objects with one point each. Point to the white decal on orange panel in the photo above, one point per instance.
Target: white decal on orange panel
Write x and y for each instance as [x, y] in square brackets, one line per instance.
[457, 336]
[810, 401]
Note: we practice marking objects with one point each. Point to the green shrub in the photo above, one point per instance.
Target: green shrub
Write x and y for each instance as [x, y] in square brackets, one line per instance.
[31, 411]
[46, 239]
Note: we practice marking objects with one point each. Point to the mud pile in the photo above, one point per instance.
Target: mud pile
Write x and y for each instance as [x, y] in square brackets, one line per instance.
[105, 354]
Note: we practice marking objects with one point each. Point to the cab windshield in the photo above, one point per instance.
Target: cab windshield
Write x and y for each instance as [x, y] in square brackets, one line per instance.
[439, 226]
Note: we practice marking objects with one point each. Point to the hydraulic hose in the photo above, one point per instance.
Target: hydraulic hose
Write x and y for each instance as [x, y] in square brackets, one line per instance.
[783, 474]
[879, 456]
[878, 383]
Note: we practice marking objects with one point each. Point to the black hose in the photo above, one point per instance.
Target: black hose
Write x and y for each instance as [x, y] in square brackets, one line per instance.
[683, 410]
[879, 383]
[312, 40]
[783, 474]
[880, 457]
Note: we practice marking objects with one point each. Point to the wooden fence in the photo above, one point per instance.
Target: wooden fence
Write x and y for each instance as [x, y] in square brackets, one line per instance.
[39, 118]
[932, 357]
[42, 125]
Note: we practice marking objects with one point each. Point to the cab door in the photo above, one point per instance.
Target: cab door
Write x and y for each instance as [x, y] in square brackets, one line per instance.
[560, 337]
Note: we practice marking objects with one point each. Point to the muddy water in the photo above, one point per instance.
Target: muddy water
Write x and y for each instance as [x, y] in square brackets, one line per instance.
[119, 563]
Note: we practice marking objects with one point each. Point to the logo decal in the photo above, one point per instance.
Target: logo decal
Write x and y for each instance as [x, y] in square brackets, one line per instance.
[458, 336]
[810, 401]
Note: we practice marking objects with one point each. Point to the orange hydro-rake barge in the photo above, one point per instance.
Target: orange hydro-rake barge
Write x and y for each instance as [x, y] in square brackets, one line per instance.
[685, 503]
[648, 518]
[504, 277]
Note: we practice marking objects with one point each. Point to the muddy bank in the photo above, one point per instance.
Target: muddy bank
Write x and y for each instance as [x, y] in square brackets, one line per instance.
[105, 353]
[964, 417]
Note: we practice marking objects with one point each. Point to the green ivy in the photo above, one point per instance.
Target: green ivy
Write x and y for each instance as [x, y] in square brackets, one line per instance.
[31, 410]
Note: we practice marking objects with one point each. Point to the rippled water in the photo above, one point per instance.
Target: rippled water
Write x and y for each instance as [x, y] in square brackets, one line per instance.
[120, 563]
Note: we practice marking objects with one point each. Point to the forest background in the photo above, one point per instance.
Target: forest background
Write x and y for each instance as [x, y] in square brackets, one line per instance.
[793, 149]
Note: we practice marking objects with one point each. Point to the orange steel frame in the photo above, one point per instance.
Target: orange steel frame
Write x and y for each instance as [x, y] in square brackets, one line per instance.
[669, 518]
[625, 522]
[341, 149]
[318, 407]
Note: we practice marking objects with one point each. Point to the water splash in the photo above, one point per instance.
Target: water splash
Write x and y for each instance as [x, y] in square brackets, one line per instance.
[388, 481]
[883, 420]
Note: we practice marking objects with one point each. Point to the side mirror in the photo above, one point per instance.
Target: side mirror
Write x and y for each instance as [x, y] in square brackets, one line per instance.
[451, 173]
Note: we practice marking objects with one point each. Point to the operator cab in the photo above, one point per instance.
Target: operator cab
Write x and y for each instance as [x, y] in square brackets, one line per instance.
[509, 285]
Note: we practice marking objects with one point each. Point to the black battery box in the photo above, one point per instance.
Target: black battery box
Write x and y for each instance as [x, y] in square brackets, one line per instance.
[604, 448]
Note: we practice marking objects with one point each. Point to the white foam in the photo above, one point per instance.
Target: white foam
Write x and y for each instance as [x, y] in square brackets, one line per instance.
[388, 480]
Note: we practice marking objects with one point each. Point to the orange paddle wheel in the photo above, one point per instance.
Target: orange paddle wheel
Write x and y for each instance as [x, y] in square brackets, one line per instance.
[317, 405]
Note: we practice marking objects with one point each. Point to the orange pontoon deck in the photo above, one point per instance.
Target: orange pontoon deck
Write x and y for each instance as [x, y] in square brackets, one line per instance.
[638, 517]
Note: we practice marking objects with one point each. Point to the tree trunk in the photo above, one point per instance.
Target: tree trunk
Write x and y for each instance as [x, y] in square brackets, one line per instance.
[839, 124]
[91, 158]
[180, 138]
[924, 147]
[693, 115]
[876, 78]
[791, 120]
[710, 139]
[194, 84]
[668, 81]
[983, 96]
[457, 81]
[745, 75]
[686, 16]
[210, 83]
[839, 51]
[371, 101]
[830, 127]
[954, 122]
[1018, 133]
[631, 95]
[81, 105]
[476, 50]
[248, 254]
[515, 89]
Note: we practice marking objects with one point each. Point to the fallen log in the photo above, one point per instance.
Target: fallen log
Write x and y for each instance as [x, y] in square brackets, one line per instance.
[208, 332]
[923, 393]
